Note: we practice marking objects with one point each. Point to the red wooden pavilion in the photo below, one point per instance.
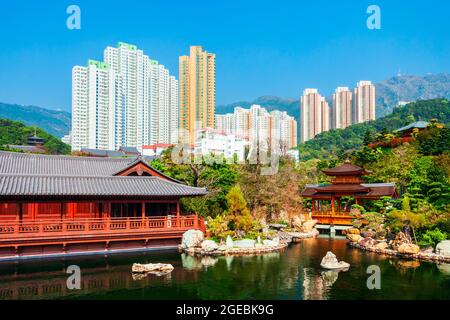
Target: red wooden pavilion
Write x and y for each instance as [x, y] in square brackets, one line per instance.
[347, 181]
[64, 204]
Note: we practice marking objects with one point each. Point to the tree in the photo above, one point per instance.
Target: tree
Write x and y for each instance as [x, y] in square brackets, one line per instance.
[238, 214]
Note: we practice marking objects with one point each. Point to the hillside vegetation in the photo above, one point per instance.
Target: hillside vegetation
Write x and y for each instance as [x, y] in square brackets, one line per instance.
[16, 133]
[338, 141]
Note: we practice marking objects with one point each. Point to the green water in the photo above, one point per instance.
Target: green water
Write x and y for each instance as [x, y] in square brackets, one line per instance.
[291, 274]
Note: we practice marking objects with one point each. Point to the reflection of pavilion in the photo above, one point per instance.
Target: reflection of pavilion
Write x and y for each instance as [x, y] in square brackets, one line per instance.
[347, 181]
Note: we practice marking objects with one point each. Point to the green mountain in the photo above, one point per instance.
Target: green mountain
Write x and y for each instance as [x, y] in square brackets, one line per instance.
[336, 141]
[56, 123]
[389, 93]
[16, 133]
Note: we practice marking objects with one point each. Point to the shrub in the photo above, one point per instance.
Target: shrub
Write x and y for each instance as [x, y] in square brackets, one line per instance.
[432, 237]
[218, 227]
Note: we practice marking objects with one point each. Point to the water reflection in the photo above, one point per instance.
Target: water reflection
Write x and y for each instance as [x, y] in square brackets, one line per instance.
[291, 274]
[317, 286]
[444, 268]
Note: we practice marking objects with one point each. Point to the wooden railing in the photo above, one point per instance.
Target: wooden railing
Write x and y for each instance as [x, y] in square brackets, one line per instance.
[336, 218]
[332, 214]
[69, 227]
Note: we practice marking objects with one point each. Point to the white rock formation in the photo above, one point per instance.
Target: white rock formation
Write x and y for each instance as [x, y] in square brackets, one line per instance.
[209, 245]
[331, 262]
[443, 248]
[192, 238]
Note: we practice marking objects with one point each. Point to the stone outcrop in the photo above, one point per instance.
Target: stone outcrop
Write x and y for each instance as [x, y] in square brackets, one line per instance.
[353, 237]
[400, 239]
[408, 248]
[151, 267]
[443, 248]
[331, 262]
[209, 245]
[308, 225]
[297, 222]
[299, 236]
[351, 231]
[192, 238]
[381, 245]
[405, 250]
[367, 242]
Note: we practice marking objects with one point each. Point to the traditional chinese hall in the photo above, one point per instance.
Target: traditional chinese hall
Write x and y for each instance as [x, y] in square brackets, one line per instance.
[52, 205]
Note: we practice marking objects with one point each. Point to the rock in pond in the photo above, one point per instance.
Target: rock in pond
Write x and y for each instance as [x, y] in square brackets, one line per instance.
[443, 248]
[209, 245]
[151, 267]
[331, 262]
[192, 238]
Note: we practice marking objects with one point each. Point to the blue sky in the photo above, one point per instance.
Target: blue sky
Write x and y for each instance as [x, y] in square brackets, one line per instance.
[262, 47]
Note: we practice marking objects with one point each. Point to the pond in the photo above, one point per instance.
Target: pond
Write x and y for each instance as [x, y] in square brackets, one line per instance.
[294, 273]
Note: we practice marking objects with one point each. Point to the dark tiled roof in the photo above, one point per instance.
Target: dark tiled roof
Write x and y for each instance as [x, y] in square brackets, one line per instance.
[36, 149]
[345, 169]
[342, 187]
[131, 150]
[40, 185]
[417, 124]
[48, 175]
[22, 163]
[364, 190]
[103, 153]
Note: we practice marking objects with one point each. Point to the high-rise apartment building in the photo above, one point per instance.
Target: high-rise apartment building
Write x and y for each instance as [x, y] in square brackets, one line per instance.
[93, 92]
[241, 123]
[342, 108]
[224, 123]
[325, 110]
[312, 117]
[197, 92]
[283, 131]
[276, 130]
[127, 100]
[364, 102]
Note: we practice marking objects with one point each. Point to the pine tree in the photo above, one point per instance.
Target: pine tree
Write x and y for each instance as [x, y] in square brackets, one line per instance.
[240, 219]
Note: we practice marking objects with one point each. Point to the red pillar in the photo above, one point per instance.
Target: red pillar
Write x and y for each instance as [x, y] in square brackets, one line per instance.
[332, 204]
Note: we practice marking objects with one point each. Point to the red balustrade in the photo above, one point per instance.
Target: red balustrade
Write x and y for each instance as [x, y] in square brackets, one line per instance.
[72, 227]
